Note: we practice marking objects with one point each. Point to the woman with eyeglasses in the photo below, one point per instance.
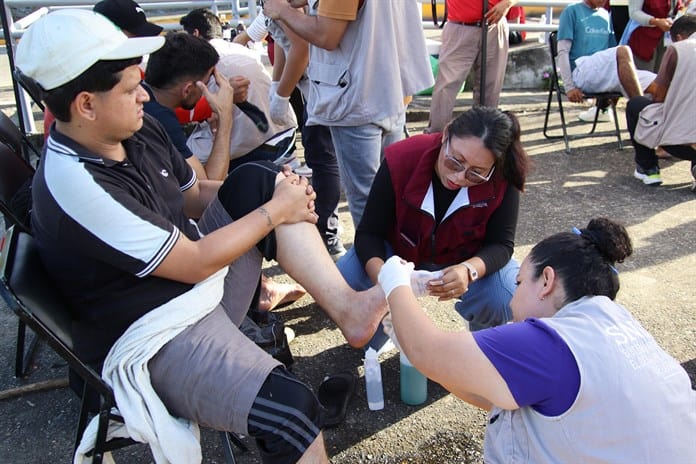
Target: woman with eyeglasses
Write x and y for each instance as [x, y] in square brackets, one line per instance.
[575, 378]
[449, 201]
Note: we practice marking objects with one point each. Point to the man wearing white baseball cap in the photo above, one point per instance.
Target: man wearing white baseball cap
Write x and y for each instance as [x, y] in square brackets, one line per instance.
[153, 293]
[57, 50]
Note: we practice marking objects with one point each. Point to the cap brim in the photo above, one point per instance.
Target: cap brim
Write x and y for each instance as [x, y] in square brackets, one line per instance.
[146, 30]
[135, 47]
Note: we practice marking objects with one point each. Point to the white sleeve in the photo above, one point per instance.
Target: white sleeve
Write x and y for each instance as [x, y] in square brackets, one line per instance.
[257, 30]
[636, 13]
[563, 60]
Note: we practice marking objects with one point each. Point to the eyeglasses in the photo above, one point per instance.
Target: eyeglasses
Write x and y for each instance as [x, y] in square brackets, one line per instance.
[455, 165]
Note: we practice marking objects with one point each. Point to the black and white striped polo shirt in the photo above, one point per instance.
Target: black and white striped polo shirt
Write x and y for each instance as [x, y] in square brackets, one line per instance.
[104, 226]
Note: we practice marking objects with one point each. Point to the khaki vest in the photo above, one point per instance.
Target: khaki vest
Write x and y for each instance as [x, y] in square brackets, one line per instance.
[635, 404]
[381, 59]
[672, 121]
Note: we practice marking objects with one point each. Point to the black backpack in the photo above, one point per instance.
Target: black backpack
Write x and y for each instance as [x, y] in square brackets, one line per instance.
[267, 330]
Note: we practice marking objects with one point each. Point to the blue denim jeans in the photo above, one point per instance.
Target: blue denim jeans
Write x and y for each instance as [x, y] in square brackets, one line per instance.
[486, 304]
[359, 150]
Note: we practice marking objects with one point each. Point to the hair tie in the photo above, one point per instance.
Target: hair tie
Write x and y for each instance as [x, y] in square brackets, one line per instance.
[592, 238]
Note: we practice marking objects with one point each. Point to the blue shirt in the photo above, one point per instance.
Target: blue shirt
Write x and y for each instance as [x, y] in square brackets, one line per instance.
[167, 117]
[589, 30]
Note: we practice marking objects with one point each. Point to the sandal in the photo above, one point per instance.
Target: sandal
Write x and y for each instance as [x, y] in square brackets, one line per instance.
[334, 394]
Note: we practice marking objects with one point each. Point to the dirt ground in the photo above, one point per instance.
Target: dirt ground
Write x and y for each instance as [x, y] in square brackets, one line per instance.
[563, 191]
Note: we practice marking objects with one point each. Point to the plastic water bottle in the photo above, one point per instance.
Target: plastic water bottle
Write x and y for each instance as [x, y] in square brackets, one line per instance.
[373, 381]
[414, 385]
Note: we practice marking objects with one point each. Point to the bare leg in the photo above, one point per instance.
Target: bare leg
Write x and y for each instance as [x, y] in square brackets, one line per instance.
[302, 254]
[275, 293]
[627, 72]
[316, 453]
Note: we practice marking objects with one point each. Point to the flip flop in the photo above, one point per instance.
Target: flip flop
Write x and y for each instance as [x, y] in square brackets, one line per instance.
[334, 394]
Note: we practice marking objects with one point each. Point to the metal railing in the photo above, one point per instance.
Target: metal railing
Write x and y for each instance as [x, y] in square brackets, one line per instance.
[546, 25]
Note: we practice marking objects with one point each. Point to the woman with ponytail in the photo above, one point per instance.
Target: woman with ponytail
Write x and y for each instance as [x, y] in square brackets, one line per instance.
[575, 378]
[449, 203]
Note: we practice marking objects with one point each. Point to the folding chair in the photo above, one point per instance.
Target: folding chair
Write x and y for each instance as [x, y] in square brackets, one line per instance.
[31, 294]
[15, 203]
[15, 178]
[604, 98]
[11, 135]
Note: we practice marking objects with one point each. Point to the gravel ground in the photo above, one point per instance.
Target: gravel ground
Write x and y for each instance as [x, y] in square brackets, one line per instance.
[563, 191]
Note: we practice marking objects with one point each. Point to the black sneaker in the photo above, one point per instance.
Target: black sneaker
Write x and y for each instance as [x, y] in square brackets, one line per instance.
[693, 174]
[335, 248]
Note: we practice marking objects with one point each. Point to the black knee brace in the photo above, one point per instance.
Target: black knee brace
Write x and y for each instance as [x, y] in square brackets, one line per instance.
[285, 418]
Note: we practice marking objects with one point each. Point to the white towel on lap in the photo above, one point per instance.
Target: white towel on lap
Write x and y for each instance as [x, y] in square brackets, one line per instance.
[172, 440]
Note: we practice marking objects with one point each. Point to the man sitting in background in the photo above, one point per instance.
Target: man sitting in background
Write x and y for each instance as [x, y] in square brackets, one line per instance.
[667, 120]
[247, 143]
[589, 59]
[171, 81]
[170, 77]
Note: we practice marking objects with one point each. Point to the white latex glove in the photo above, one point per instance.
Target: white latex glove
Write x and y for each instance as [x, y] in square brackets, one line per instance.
[388, 329]
[273, 89]
[280, 106]
[394, 273]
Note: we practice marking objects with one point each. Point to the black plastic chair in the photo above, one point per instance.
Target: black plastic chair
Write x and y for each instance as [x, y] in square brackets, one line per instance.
[12, 136]
[15, 204]
[15, 194]
[605, 99]
[32, 295]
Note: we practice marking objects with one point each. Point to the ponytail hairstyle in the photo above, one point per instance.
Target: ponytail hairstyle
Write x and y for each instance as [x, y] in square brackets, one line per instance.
[584, 259]
[500, 133]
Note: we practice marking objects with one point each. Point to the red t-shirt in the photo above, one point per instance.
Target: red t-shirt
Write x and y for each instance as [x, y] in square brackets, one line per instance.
[467, 11]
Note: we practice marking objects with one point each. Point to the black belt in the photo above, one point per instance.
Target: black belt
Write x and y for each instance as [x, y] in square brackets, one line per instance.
[474, 24]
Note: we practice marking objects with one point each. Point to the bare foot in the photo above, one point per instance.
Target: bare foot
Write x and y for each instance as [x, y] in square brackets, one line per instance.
[274, 294]
[360, 321]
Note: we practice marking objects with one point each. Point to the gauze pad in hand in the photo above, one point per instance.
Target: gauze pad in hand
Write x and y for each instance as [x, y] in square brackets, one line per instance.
[420, 279]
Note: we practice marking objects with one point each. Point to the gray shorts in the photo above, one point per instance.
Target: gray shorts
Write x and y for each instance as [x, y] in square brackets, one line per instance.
[211, 372]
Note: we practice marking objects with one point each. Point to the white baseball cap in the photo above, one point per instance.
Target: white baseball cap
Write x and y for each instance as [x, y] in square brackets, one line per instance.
[63, 44]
